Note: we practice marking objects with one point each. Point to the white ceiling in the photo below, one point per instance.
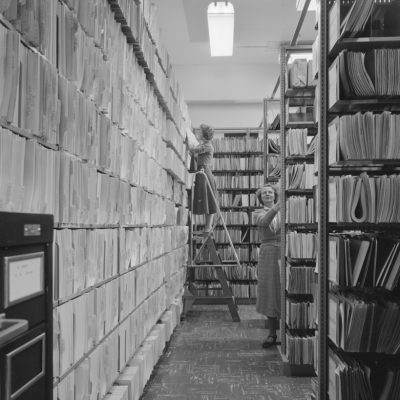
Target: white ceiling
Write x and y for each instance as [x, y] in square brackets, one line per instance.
[261, 26]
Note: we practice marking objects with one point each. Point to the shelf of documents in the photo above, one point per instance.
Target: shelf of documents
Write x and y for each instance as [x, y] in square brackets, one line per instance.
[272, 148]
[364, 44]
[360, 262]
[87, 134]
[298, 224]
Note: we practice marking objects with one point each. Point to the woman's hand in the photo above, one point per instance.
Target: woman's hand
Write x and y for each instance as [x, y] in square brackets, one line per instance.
[277, 206]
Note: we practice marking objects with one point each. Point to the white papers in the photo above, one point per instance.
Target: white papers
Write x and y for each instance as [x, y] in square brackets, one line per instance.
[66, 387]
[82, 372]
[130, 378]
[300, 315]
[300, 176]
[370, 74]
[300, 209]
[366, 199]
[9, 76]
[301, 245]
[66, 336]
[298, 143]
[237, 145]
[297, 73]
[365, 136]
[300, 280]
[357, 17]
[117, 393]
[300, 349]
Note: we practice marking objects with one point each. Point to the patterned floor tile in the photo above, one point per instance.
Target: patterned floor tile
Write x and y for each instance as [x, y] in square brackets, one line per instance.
[212, 358]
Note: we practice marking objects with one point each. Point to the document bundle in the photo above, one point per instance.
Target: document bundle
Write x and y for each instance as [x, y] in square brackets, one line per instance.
[364, 198]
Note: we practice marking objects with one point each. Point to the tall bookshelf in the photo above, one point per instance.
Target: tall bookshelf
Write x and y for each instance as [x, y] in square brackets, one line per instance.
[298, 129]
[239, 172]
[369, 163]
[99, 141]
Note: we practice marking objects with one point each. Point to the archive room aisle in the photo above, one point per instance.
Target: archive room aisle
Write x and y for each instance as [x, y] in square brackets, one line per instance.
[283, 283]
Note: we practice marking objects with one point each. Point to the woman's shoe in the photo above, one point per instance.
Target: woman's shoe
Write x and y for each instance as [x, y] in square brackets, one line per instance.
[269, 343]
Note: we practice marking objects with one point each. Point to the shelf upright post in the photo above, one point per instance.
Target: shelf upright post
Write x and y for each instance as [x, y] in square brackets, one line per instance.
[283, 199]
[323, 238]
[265, 136]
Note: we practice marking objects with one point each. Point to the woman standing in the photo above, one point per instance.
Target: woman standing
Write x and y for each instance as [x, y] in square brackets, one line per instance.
[204, 197]
[268, 298]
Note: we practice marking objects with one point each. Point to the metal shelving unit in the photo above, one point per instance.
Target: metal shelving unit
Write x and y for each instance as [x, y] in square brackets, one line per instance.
[293, 97]
[328, 53]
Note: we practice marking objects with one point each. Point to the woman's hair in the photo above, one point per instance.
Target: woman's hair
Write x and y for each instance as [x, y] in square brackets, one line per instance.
[207, 131]
[259, 192]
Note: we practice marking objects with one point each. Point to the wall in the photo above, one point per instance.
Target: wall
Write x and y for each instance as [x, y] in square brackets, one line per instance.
[235, 100]
[226, 115]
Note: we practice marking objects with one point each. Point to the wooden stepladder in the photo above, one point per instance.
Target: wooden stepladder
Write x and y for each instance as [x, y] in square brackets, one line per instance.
[192, 294]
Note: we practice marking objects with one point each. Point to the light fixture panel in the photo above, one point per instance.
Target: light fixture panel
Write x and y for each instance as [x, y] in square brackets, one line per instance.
[220, 17]
[311, 7]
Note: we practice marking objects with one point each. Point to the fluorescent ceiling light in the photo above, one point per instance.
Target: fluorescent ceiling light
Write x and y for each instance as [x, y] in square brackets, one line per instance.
[220, 16]
[299, 56]
[311, 7]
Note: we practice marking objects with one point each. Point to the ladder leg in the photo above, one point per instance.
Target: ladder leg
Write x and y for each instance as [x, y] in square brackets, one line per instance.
[208, 242]
[223, 280]
[233, 308]
[188, 301]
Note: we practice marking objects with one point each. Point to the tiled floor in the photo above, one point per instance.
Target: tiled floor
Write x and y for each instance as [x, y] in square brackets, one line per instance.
[212, 358]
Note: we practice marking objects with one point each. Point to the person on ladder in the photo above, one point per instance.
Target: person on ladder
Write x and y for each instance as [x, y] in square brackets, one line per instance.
[268, 291]
[203, 199]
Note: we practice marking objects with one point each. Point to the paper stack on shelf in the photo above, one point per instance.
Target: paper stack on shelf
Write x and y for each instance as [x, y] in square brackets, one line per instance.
[9, 73]
[230, 162]
[300, 280]
[64, 329]
[76, 82]
[364, 198]
[81, 379]
[297, 73]
[365, 136]
[357, 17]
[367, 74]
[38, 171]
[130, 378]
[371, 380]
[138, 363]
[274, 167]
[237, 145]
[300, 349]
[117, 393]
[80, 332]
[66, 388]
[300, 315]
[300, 209]
[111, 305]
[300, 176]
[296, 142]
[301, 245]
[364, 261]
[348, 312]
